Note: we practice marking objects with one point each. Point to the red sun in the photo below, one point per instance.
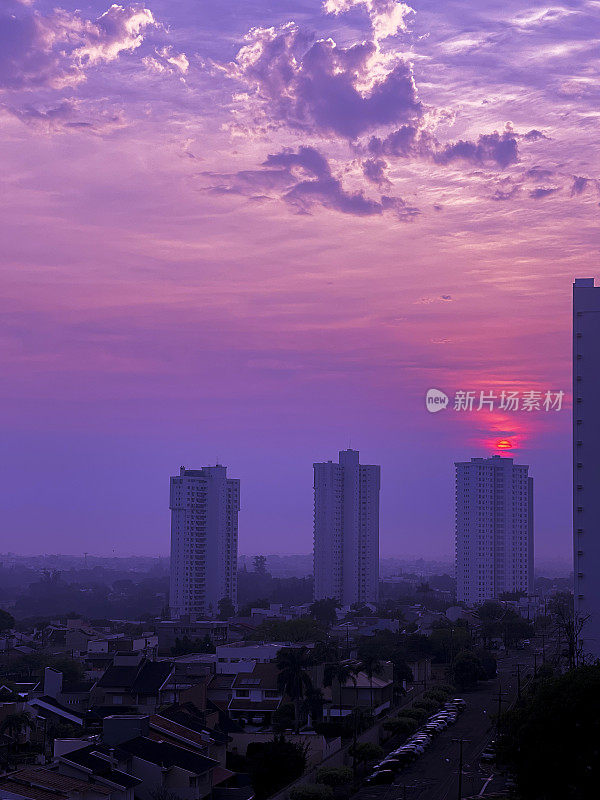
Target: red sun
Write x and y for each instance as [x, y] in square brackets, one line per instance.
[504, 444]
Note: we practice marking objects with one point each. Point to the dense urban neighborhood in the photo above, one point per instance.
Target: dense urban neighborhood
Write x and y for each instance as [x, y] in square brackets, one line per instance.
[289, 701]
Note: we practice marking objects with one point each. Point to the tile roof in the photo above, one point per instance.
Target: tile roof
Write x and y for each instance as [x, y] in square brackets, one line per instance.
[54, 780]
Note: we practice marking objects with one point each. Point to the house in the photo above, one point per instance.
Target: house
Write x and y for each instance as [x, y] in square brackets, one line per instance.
[131, 747]
[74, 696]
[134, 681]
[40, 783]
[374, 694]
[256, 695]
[100, 765]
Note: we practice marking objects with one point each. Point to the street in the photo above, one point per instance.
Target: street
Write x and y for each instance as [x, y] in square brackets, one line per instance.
[434, 775]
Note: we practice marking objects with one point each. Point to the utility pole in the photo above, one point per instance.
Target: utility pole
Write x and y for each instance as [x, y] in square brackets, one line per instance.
[460, 765]
[499, 698]
[519, 681]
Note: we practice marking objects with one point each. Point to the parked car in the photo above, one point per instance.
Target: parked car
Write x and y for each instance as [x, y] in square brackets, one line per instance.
[459, 703]
[488, 755]
[383, 777]
[395, 764]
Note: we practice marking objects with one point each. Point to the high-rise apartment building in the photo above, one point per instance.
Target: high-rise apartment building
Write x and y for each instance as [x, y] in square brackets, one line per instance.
[204, 507]
[586, 460]
[494, 529]
[346, 530]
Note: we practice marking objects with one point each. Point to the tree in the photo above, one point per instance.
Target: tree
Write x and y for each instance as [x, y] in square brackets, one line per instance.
[226, 608]
[324, 611]
[367, 751]
[293, 679]
[339, 674]
[401, 726]
[466, 670]
[311, 791]
[334, 776]
[550, 740]
[302, 629]
[7, 621]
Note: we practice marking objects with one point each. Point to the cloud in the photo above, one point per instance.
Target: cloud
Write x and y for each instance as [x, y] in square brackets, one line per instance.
[303, 179]
[579, 185]
[56, 49]
[496, 148]
[374, 171]
[387, 16]
[323, 88]
[69, 116]
[164, 60]
[543, 191]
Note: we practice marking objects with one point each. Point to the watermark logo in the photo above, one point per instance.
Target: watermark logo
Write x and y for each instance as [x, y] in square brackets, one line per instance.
[507, 401]
[435, 400]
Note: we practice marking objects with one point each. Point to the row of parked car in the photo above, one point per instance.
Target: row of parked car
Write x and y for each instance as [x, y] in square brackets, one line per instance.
[386, 771]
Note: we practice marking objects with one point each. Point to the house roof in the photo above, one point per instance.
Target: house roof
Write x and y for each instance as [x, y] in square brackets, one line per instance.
[168, 755]
[49, 704]
[144, 678]
[363, 682]
[263, 676]
[50, 779]
[221, 681]
[90, 758]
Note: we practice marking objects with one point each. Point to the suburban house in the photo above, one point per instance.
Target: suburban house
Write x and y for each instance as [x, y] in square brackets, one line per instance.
[134, 681]
[374, 694]
[256, 695]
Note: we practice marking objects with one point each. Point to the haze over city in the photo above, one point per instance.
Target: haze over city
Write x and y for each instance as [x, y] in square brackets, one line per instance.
[197, 270]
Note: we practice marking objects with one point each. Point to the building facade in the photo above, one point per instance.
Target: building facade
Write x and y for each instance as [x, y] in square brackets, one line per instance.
[494, 529]
[346, 530]
[204, 507]
[586, 460]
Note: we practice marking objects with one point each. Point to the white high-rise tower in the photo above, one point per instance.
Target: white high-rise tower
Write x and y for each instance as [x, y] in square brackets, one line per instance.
[494, 529]
[204, 507]
[346, 530]
[586, 460]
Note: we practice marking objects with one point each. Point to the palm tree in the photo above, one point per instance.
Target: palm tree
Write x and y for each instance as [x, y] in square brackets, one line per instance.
[371, 665]
[339, 673]
[293, 678]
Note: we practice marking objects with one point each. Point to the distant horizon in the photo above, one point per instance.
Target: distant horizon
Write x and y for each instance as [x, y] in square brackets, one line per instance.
[448, 560]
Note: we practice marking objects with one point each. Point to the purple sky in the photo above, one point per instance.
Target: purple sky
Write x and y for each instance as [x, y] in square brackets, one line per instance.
[258, 231]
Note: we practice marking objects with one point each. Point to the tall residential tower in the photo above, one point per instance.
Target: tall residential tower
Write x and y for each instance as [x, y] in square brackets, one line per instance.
[346, 530]
[204, 536]
[494, 529]
[586, 460]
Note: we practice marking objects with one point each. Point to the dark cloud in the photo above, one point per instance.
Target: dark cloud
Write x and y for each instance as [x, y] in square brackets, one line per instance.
[374, 171]
[534, 135]
[496, 148]
[579, 185]
[304, 179]
[506, 194]
[324, 88]
[543, 191]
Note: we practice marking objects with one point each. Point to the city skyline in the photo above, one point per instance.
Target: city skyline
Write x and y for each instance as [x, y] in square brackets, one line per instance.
[195, 271]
